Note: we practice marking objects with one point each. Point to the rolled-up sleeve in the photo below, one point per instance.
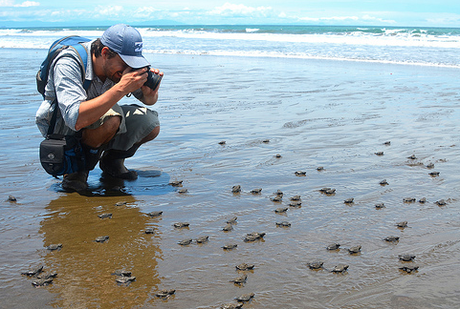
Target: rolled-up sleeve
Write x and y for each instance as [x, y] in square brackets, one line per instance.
[69, 89]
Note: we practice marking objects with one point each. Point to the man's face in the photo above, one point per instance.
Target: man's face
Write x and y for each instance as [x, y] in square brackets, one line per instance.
[114, 67]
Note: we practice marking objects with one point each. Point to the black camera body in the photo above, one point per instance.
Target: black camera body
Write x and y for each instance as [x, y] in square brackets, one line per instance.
[152, 80]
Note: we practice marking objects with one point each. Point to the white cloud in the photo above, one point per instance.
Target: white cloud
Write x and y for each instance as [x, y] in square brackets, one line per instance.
[25, 4]
[229, 9]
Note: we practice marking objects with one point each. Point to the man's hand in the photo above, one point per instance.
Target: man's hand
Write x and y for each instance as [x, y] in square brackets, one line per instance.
[131, 79]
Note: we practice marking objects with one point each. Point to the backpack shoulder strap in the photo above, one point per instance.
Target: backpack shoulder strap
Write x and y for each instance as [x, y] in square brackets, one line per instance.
[83, 60]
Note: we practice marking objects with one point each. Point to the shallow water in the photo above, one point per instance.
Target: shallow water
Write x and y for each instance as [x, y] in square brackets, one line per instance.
[314, 113]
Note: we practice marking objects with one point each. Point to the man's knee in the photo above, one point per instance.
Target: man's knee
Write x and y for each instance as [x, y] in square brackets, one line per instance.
[152, 135]
[103, 134]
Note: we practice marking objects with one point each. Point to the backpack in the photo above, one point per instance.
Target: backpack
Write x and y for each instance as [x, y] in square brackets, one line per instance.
[72, 41]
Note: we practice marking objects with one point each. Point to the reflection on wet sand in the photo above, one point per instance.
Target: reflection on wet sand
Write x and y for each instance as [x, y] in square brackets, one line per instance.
[85, 266]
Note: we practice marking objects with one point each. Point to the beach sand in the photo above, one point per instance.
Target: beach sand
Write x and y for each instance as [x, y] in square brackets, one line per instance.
[334, 114]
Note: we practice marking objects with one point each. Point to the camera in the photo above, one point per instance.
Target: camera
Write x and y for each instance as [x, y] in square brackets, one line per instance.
[152, 80]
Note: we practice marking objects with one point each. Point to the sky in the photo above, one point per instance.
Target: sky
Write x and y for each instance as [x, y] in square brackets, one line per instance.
[421, 13]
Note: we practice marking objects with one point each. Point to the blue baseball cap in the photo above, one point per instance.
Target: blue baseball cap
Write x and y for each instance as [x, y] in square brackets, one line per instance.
[126, 42]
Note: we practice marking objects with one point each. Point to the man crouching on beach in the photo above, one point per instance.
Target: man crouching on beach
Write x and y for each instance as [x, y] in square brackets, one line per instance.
[109, 132]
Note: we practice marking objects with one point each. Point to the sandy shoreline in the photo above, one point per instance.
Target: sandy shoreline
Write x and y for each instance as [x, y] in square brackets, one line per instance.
[314, 113]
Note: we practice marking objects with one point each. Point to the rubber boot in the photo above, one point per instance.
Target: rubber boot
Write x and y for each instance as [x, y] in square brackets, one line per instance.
[79, 181]
[113, 163]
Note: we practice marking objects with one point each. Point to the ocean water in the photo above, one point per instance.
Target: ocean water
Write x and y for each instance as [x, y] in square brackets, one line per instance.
[420, 46]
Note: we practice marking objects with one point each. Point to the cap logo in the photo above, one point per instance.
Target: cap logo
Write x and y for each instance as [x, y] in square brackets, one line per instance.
[138, 47]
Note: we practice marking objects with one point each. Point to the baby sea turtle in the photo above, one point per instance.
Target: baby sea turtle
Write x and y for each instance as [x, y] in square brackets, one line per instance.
[236, 189]
[42, 282]
[120, 204]
[409, 269]
[434, 174]
[149, 230]
[256, 191]
[266, 141]
[409, 200]
[441, 202]
[349, 200]
[253, 236]
[276, 199]
[279, 193]
[340, 268]
[101, 239]
[295, 204]
[315, 265]
[125, 280]
[244, 266]
[334, 246]
[330, 192]
[383, 182]
[281, 210]
[105, 216]
[165, 293]
[295, 198]
[422, 200]
[402, 224]
[354, 250]
[179, 225]
[406, 257]
[182, 191]
[300, 173]
[202, 239]
[122, 273]
[228, 228]
[240, 279]
[155, 214]
[185, 242]
[388, 143]
[412, 157]
[48, 275]
[11, 199]
[232, 220]
[229, 247]
[379, 205]
[379, 153]
[320, 168]
[430, 165]
[53, 247]
[392, 238]
[232, 306]
[245, 297]
[176, 183]
[222, 142]
[278, 156]
[283, 224]
[33, 272]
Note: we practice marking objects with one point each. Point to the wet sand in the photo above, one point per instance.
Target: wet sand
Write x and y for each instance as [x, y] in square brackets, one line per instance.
[313, 113]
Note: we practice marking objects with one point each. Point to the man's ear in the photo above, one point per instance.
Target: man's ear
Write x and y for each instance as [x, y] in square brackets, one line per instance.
[105, 52]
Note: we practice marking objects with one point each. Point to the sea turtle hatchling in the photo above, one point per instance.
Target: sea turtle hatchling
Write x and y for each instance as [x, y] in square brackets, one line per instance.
[185, 242]
[149, 230]
[409, 200]
[53, 247]
[412, 157]
[279, 193]
[300, 173]
[244, 266]
[253, 236]
[11, 198]
[101, 239]
[295, 198]
[276, 199]
[391, 238]
[122, 273]
[333, 246]
[441, 202]
[202, 239]
[245, 297]
[42, 282]
[229, 246]
[340, 268]
[176, 183]
[228, 227]
[154, 214]
[33, 272]
[315, 265]
[125, 279]
[278, 156]
[165, 293]
[232, 306]
[236, 189]
[295, 204]
[434, 174]
[256, 191]
[232, 220]
[48, 275]
[281, 210]
[349, 200]
[320, 168]
[402, 224]
[179, 225]
[409, 269]
[240, 279]
[105, 216]
[379, 153]
[354, 249]
[222, 142]
[182, 191]
[283, 224]
[422, 200]
[406, 257]
[380, 205]
[430, 165]
[383, 182]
